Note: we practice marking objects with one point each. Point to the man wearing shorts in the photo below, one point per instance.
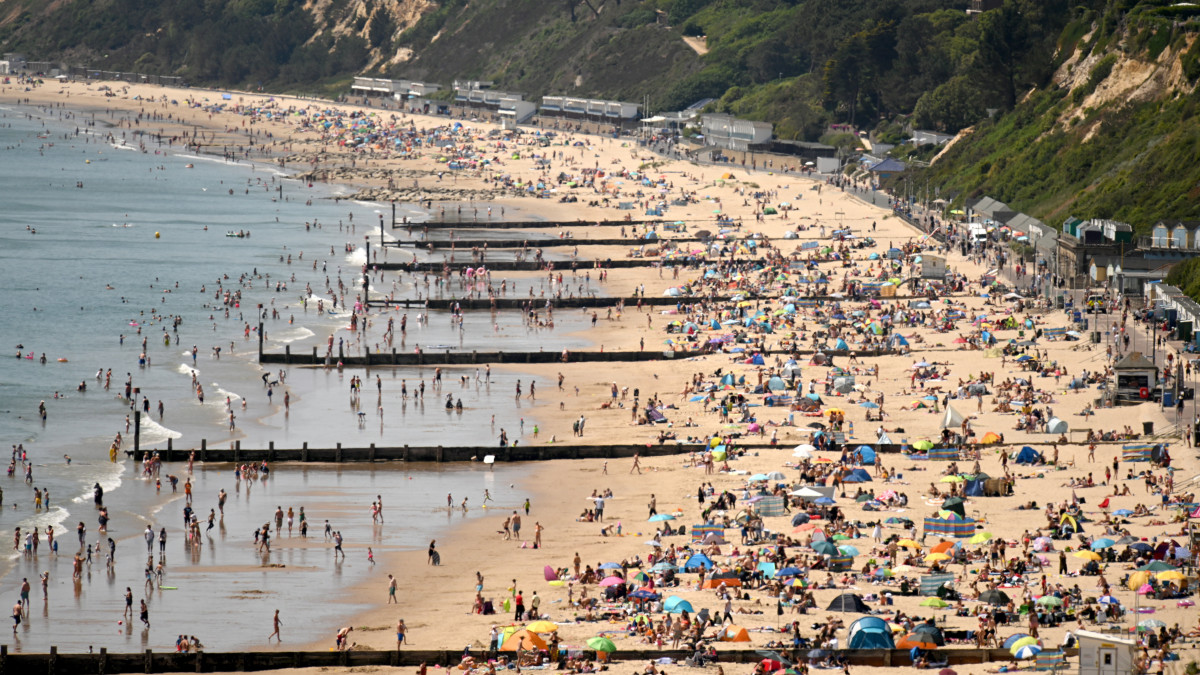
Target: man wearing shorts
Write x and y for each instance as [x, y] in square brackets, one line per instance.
[401, 629]
[391, 589]
[16, 615]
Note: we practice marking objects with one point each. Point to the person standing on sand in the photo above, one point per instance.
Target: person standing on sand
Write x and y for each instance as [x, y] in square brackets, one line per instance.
[401, 633]
[391, 590]
[277, 624]
[516, 525]
[433, 554]
[537, 535]
[16, 615]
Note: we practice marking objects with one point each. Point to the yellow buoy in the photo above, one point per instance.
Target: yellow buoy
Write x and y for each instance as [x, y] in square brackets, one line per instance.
[156, 235]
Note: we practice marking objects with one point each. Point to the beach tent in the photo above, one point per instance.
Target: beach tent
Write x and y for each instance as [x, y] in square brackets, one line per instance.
[870, 632]
[677, 605]
[1056, 426]
[841, 345]
[864, 454]
[727, 380]
[1028, 455]
[523, 639]
[776, 383]
[857, 476]
[757, 360]
[952, 419]
[698, 560]
[848, 602]
[990, 437]
[974, 487]
[734, 634]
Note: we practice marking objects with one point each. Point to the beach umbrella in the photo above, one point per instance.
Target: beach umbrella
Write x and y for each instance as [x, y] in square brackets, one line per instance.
[1151, 624]
[1023, 641]
[908, 543]
[994, 597]
[1087, 555]
[1102, 543]
[1156, 566]
[1108, 600]
[601, 644]
[1012, 639]
[849, 550]
[980, 538]
[789, 572]
[612, 581]
[942, 547]
[1050, 601]
[542, 627]
[660, 517]
[825, 548]
[664, 567]
[923, 445]
[1141, 547]
[800, 519]
[934, 602]
[1137, 580]
[1027, 652]
[936, 557]
[610, 566]
[1172, 575]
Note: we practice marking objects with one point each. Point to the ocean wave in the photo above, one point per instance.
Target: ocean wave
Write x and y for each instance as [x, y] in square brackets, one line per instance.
[377, 205]
[187, 368]
[224, 392]
[357, 257]
[292, 335]
[108, 482]
[153, 432]
[123, 146]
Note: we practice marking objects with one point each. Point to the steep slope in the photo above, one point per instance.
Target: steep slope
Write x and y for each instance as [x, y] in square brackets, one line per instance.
[1114, 133]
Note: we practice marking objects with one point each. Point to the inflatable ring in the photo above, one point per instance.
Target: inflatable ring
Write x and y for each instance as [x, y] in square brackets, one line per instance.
[1144, 393]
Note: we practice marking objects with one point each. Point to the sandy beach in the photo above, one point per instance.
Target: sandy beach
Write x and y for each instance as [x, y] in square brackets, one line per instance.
[436, 602]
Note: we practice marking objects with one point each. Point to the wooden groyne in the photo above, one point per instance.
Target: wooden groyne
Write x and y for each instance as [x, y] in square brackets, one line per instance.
[517, 302]
[473, 358]
[517, 224]
[104, 663]
[506, 243]
[523, 265]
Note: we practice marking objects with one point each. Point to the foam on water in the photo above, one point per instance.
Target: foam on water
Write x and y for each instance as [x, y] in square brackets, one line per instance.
[152, 432]
[223, 392]
[292, 335]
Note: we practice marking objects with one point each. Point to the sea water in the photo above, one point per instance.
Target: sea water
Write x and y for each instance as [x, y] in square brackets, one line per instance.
[105, 243]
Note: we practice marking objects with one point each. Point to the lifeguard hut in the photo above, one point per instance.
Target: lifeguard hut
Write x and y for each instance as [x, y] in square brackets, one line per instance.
[1101, 654]
[1137, 378]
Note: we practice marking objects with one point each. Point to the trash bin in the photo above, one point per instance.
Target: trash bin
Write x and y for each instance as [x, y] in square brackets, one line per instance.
[1168, 399]
[1147, 428]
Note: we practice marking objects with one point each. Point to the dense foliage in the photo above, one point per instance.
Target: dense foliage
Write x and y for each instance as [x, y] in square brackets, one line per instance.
[236, 42]
[1186, 277]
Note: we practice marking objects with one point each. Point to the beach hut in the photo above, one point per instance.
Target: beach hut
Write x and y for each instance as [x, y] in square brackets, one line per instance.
[870, 632]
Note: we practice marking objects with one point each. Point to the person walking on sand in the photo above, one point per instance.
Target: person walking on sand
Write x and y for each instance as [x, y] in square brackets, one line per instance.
[145, 614]
[128, 614]
[392, 590]
[277, 624]
[637, 464]
[401, 633]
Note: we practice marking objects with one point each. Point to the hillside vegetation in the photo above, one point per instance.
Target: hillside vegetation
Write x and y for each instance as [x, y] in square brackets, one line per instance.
[1113, 134]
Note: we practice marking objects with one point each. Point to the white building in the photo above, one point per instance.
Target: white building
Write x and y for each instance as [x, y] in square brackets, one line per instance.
[379, 86]
[731, 133]
[590, 108]
[1101, 654]
[508, 104]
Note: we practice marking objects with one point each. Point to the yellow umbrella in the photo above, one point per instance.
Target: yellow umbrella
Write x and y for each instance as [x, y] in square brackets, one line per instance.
[908, 543]
[542, 627]
[935, 557]
[1137, 580]
[835, 410]
[1171, 575]
[1027, 640]
[1087, 555]
[980, 538]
